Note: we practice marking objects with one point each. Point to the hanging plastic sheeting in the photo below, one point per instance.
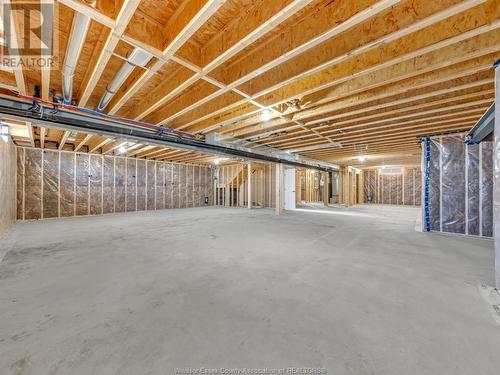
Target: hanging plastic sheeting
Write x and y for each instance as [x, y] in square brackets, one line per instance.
[486, 189]
[472, 161]
[434, 187]
[459, 179]
[452, 184]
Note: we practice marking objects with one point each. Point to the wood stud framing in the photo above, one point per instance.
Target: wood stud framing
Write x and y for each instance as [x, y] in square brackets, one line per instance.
[76, 184]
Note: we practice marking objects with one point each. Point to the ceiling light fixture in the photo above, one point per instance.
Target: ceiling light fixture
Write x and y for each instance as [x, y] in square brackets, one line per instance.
[122, 149]
[361, 158]
[265, 115]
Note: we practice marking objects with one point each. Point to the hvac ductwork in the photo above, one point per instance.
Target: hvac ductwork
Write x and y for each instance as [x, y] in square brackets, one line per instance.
[138, 57]
[75, 43]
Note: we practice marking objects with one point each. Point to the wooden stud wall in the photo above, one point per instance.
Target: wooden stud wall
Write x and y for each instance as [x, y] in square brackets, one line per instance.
[55, 183]
[8, 179]
[350, 186]
[308, 187]
[231, 185]
[403, 189]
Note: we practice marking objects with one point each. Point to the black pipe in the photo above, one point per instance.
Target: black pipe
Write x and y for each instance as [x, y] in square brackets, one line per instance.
[79, 122]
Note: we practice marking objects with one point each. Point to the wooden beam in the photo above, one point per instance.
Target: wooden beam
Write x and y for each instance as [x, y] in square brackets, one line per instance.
[359, 134]
[481, 38]
[170, 155]
[64, 138]
[97, 142]
[357, 123]
[31, 133]
[387, 129]
[355, 14]
[176, 157]
[475, 110]
[396, 138]
[133, 147]
[111, 147]
[192, 16]
[81, 140]
[42, 136]
[404, 132]
[126, 12]
[322, 115]
[14, 45]
[427, 28]
[47, 34]
[201, 158]
[397, 73]
[280, 189]
[265, 17]
[370, 45]
[189, 18]
[249, 184]
[140, 149]
[363, 114]
[90, 12]
[409, 146]
[189, 158]
[457, 46]
[151, 152]
[352, 94]
[427, 88]
[247, 30]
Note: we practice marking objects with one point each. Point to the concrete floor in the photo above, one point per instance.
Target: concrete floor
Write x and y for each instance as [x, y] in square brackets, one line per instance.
[354, 291]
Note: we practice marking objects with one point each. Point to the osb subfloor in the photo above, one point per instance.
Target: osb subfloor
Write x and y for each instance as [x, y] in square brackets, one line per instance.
[355, 291]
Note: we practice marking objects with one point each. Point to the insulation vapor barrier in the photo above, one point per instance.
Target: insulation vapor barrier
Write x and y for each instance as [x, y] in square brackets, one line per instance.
[55, 183]
[397, 188]
[460, 179]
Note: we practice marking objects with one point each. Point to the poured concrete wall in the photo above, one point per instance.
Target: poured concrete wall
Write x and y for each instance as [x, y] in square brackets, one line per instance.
[59, 184]
[7, 186]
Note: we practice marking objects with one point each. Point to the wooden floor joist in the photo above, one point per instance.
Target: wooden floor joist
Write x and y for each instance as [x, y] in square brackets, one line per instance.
[296, 75]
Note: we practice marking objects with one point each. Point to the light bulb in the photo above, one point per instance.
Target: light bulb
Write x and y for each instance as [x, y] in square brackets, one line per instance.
[265, 115]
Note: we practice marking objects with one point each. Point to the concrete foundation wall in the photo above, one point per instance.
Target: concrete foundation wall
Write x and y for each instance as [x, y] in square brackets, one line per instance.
[60, 184]
[7, 186]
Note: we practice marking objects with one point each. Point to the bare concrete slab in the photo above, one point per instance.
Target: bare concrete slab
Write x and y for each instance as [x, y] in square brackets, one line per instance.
[354, 291]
